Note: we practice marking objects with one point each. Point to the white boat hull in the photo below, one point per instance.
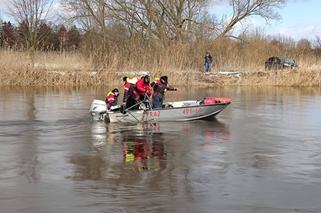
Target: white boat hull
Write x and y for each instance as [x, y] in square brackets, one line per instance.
[192, 111]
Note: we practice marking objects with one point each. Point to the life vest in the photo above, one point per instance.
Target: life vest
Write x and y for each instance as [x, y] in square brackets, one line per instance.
[111, 100]
[127, 87]
[142, 87]
[131, 94]
[159, 88]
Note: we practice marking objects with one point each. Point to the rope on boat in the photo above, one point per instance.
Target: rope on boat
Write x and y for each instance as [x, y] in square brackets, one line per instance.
[151, 108]
[134, 116]
[146, 99]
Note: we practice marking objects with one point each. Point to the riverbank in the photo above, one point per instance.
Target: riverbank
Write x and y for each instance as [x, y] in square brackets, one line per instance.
[53, 69]
[288, 77]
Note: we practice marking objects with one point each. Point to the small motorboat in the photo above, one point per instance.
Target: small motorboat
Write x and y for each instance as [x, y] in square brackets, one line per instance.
[172, 111]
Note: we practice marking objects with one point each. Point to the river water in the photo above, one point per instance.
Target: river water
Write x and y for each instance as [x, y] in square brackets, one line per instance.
[261, 154]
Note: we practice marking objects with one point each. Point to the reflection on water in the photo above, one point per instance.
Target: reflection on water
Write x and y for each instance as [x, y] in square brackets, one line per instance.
[98, 134]
[143, 146]
[262, 154]
[144, 153]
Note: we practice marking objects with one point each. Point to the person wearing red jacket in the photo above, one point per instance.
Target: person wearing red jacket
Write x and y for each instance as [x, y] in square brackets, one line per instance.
[111, 98]
[159, 88]
[127, 86]
[143, 87]
[130, 94]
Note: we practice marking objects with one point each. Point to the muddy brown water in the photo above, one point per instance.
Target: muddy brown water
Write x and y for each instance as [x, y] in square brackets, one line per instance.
[261, 154]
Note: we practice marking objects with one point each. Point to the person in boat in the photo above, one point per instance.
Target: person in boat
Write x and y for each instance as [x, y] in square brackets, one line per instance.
[111, 98]
[159, 88]
[130, 94]
[127, 86]
[143, 88]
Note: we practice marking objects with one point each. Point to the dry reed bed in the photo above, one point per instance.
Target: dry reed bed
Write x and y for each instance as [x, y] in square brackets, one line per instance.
[52, 69]
[293, 78]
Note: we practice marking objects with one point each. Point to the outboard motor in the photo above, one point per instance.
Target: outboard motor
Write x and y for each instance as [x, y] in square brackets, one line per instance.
[98, 110]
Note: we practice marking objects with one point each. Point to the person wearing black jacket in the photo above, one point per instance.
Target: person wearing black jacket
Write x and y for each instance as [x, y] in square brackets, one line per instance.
[159, 88]
[208, 60]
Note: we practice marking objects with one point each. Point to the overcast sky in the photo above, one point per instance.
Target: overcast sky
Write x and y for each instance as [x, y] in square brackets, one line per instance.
[300, 19]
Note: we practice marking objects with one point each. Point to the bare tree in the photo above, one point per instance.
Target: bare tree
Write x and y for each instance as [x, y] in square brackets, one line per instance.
[159, 18]
[89, 13]
[30, 14]
[167, 20]
[317, 46]
[244, 9]
[304, 44]
[317, 42]
[93, 16]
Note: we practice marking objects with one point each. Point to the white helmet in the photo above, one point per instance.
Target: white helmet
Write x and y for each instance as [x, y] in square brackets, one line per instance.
[144, 73]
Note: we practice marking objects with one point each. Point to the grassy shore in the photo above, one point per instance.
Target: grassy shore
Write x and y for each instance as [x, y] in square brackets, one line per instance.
[54, 69]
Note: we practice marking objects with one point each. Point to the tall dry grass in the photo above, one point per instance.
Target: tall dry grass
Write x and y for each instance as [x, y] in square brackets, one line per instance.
[182, 62]
[16, 68]
[75, 70]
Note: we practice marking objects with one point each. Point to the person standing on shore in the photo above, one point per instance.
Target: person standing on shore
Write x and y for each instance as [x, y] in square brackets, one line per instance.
[208, 60]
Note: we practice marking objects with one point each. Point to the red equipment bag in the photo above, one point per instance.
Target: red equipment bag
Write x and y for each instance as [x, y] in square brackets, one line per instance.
[212, 100]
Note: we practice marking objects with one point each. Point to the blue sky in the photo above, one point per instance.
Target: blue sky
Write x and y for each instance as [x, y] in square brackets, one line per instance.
[300, 19]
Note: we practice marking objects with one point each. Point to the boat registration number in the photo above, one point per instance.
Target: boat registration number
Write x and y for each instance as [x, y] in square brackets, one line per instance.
[154, 114]
[189, 111]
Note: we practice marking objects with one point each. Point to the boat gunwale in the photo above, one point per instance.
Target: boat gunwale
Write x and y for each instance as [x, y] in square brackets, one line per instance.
[162, 109]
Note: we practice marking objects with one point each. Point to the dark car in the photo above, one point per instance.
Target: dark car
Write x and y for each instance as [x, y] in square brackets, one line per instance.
[279, 62]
